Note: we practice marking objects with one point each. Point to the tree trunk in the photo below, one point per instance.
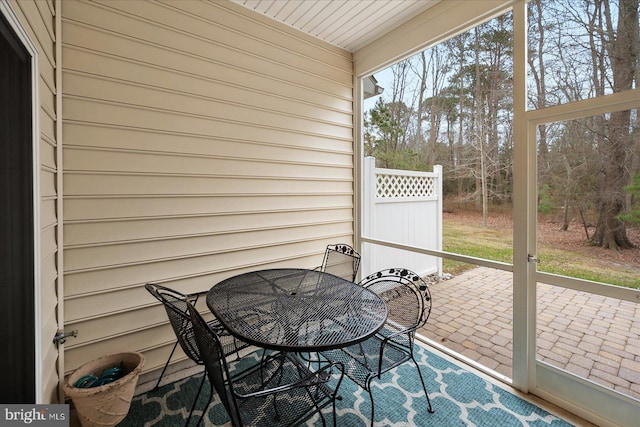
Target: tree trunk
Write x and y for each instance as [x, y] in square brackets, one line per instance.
[422, 75]
[478, 123]
[610, 232]
[460, 151]
[565, 216]
[538, 70]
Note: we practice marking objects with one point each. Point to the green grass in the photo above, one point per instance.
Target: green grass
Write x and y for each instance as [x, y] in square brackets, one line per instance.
[496, 245]
[464, 239]
[578, 265]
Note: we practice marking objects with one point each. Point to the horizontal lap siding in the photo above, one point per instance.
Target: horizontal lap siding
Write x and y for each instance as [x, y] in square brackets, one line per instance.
[37, 18]
[200, 141]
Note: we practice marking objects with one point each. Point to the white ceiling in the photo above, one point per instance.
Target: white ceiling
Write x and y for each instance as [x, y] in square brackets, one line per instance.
[349, 24]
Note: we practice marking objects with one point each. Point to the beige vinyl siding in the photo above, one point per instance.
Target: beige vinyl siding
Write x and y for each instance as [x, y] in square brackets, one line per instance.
[37, 18]
[201, 140]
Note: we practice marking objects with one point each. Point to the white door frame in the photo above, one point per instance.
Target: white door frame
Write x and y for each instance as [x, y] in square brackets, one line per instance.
[583, 397]
[22, 34]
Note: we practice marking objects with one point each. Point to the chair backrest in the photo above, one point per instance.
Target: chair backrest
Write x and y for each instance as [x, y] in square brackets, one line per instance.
[406, 294]
[175, 304]
[215, 363]
[341, 260]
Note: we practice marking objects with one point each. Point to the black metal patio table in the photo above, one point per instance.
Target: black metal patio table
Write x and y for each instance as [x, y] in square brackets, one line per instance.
[296, 310]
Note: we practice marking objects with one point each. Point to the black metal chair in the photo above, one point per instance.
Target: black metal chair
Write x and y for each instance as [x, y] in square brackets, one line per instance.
[341, 260]
[175, 304]
[279, 391]
[409, 305]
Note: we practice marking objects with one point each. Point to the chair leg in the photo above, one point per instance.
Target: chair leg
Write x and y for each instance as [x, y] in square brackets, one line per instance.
[195, 400]
[318, 409]
[373, 415]
[324, 423]
[165, 367]
[335, 421]
[424, 387]
[204, 411]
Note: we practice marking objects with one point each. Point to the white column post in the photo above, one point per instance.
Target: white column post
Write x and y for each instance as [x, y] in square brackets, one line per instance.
[524, 214]
[437, 169]
[368, 214]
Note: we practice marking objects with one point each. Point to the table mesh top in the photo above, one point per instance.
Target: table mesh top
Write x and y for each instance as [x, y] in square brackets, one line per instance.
[296, 309]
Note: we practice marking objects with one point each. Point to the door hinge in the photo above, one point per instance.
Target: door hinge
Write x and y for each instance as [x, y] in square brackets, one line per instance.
[61, 336]
[533, 258]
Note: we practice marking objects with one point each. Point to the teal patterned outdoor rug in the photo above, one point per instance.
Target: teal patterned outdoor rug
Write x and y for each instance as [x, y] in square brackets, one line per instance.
[459, 397]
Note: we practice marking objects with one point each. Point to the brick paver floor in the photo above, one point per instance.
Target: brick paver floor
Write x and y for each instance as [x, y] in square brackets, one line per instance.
[591, 336]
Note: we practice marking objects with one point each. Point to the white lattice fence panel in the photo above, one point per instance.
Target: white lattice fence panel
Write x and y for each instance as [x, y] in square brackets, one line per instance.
[402, 207]
[395, 186]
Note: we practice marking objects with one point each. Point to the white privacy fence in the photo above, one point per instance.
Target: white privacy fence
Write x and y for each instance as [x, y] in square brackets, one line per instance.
[403, 207]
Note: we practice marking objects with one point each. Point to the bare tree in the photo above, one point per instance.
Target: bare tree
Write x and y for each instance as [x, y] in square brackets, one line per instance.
[538, 70]
[398, 108]
[613, 175]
